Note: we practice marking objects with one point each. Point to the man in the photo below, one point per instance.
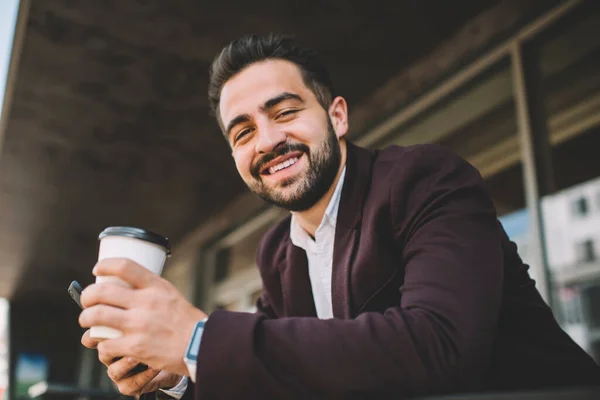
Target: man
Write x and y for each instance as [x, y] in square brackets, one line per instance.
[391, 278]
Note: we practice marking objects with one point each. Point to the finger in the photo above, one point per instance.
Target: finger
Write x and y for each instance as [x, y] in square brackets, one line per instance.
[129, 271]
[103, 315]
[109, 294]
[121, 368]
[123, 346]
[89, 342]
[138, 383]
[107, 359]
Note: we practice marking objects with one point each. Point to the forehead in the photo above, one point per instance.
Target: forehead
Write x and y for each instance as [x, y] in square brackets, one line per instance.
[261, 81]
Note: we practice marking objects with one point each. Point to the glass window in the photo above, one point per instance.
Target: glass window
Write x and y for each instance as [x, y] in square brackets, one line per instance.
[236, 274]
[570, 305]
[222, 265]
[591, 298]
[478, 122]
[568, 57]
[237, 278]
[243, 253]
[580, 207]
[585, 251]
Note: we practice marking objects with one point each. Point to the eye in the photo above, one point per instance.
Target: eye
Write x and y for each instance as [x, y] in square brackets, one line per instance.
[286, 113]
[242, 134]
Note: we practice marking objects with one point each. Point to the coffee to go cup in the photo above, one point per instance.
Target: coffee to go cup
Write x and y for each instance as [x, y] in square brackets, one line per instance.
[144, 247]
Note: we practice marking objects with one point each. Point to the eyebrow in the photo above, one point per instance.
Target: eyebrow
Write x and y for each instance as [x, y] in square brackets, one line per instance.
[237, 120]
[264, 108]
[279, 99]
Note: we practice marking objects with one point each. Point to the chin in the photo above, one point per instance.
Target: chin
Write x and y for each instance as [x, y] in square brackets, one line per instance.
[286, 194]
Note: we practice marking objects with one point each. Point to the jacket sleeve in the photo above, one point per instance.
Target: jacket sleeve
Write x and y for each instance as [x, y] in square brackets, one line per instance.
[189, 393]
[438, 340]
[263, 306]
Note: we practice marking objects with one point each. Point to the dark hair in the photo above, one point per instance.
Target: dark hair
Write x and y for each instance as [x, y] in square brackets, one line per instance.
[248, 50]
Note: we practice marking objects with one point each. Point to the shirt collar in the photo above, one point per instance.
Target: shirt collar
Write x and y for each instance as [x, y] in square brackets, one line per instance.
[299, 236]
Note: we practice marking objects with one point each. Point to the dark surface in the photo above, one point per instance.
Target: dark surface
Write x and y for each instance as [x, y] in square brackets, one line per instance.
[556, 394]
[109, 124]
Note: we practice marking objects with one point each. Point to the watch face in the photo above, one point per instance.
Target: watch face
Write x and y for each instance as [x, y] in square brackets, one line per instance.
[192, 353]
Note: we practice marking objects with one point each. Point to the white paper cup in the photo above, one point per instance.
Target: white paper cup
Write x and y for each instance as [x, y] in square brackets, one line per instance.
[144, 247]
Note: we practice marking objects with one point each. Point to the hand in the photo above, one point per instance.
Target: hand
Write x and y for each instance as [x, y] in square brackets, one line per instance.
[156, 320]
[147, 381]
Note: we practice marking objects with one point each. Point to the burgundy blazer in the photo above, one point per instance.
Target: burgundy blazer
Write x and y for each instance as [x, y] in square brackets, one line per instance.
[429, 297]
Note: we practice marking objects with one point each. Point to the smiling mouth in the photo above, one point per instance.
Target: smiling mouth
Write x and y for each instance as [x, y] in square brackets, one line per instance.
[281, 163]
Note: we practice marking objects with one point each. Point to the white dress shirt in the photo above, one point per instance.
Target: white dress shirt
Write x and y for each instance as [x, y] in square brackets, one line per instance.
[178, 391]
[319, 252]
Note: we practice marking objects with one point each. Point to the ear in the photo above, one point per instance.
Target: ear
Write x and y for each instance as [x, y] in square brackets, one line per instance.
[338, 112]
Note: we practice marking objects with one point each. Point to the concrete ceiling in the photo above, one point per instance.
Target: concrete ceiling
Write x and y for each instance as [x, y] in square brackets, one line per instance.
[109, 122]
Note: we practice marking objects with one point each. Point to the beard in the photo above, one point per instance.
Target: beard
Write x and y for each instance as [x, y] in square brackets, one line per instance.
[308, 186]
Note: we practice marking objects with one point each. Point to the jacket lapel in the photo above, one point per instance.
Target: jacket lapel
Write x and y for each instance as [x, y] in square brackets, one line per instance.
[297, 292]
[356, 184]
[296, 288]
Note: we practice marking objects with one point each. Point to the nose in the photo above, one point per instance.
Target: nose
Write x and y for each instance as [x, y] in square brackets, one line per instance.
[269, 137]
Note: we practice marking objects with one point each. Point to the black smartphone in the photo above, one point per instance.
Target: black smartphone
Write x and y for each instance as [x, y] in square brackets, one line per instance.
[75, 290]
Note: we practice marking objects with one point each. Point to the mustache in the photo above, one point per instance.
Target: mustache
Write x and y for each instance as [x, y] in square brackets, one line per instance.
[278, 151]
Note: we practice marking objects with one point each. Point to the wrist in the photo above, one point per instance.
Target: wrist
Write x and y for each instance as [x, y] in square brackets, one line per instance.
[173, 380]
[185, 334]
[193, 348]
[180, 369]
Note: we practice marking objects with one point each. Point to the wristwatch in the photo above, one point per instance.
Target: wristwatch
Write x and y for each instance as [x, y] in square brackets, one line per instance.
[191, 353]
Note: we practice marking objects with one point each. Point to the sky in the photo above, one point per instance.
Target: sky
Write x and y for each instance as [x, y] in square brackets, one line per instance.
[516, 224]
[8, 14]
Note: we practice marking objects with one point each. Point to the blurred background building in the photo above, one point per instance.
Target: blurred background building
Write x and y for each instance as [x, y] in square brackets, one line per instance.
[105, 122]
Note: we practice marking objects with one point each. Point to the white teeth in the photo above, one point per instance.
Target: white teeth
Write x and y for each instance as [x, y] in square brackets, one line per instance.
[283, 165]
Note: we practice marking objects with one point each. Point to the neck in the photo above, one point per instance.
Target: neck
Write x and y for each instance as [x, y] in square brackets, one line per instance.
[310, 219]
